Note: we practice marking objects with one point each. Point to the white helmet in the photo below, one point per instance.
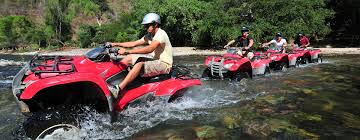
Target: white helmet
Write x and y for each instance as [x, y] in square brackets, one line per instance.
[151, 18]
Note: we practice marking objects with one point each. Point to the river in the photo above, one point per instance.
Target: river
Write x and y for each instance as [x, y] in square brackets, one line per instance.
[314, 101]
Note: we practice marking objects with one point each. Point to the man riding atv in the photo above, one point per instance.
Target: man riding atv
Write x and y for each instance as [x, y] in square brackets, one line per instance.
[158, 44]
[245, 41]
[301, 41]
[279, 42]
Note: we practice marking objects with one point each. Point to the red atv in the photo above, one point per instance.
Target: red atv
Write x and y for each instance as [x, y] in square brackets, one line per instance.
[279, 61]
[48, 88]
[303, 56]
[261, 63]
[229, 65]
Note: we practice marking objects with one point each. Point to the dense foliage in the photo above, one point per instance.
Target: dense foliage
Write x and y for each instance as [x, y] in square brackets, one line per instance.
[15, 31]
[214, 22]
[202, 23]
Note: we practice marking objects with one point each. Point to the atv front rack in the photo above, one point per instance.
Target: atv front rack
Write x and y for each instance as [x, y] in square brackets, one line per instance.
[50, 64]
[217, 68]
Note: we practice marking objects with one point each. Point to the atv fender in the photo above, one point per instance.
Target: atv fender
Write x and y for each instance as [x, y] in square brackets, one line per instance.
[33, 88]
[170, 87]
[164, 88]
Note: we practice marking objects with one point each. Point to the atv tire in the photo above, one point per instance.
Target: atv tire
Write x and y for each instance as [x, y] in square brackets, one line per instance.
[267, 70]
[282, 66]
[241, 75]
[206, 74]
[40, 124]
[177, 95]
[298, 62]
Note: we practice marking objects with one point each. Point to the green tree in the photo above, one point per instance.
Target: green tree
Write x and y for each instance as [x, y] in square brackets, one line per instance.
[181, 19]
[59, 15]
[57, 23]
[86, 34]
[213, 22]
[15, 31]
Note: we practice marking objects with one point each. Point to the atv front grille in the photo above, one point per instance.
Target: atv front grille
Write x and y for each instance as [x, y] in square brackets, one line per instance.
[217, 68]
[51, 64]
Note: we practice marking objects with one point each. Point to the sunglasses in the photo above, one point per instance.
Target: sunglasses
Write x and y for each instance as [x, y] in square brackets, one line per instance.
[146, 26]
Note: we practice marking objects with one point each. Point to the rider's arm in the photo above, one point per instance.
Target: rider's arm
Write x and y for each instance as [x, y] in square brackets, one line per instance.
[129, 44]
[284, 46]
[308, 43]
[251, 43]
[231, 42]
[268, 43]
[148, 49]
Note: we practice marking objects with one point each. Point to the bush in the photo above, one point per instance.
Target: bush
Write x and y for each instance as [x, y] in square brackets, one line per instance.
[15, 31]
[214, 22]
[86, 34]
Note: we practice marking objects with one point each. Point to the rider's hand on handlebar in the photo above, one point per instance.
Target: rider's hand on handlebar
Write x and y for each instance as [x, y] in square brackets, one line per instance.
[226, 46]
[263, 45]
[114, 50]
[122, 51]
[108, 45]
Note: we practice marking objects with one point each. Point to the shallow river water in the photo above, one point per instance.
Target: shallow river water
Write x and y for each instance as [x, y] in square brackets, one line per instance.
[314, 101]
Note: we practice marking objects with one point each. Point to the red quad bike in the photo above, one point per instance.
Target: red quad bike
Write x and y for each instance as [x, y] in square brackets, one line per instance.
[261, 63]
[279, 61]
[229, 65]
[315, 55]
[303, 56]
[49, 87]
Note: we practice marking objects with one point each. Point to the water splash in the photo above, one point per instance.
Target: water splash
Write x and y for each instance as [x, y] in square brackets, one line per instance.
[4, 84]
[4, 62]
[136, 118]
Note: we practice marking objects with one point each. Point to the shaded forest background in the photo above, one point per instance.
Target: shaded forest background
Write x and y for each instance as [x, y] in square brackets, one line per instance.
[53, 24]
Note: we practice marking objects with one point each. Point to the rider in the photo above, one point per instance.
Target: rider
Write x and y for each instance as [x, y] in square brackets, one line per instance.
[303, 41]
[279, 43]
[158, 44]
[245, 41]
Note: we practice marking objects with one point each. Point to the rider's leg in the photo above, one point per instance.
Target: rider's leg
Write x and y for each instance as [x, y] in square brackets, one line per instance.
[250, 55]
[240, 53]
[133, 73]
[127, 60]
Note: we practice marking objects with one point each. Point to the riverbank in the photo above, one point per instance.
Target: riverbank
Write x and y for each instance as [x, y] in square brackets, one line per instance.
[182, 51]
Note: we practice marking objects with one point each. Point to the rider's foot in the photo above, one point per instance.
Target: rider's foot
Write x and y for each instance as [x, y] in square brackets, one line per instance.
[115, 90]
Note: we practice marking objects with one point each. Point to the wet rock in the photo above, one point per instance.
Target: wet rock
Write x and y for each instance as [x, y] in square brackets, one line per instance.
[301, 116]
[286, 108]
[328, 107]
[308, 91]
[326, 78]
[308, 135]
[289, 129]
[257, 128]
[294, 82]
[339, 77]
[176, 138]
[206, 132]
[350, 120]
[270, 99]
[266, 110]
[230, 122]
[314, 118]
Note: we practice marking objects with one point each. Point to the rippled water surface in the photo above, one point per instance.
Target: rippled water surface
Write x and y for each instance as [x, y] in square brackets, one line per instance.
[310, 102]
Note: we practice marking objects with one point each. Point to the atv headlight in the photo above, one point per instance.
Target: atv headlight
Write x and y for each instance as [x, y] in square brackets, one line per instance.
[228, 66]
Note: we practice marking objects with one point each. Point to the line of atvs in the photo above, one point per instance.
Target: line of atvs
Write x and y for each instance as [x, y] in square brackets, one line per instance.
[234, 66]
[48, 89]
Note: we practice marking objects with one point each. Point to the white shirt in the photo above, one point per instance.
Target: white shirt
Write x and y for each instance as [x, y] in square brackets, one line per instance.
[278, 45]
[164, 52]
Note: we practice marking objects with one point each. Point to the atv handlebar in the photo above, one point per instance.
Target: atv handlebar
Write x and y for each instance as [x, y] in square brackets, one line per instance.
[115, 51]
